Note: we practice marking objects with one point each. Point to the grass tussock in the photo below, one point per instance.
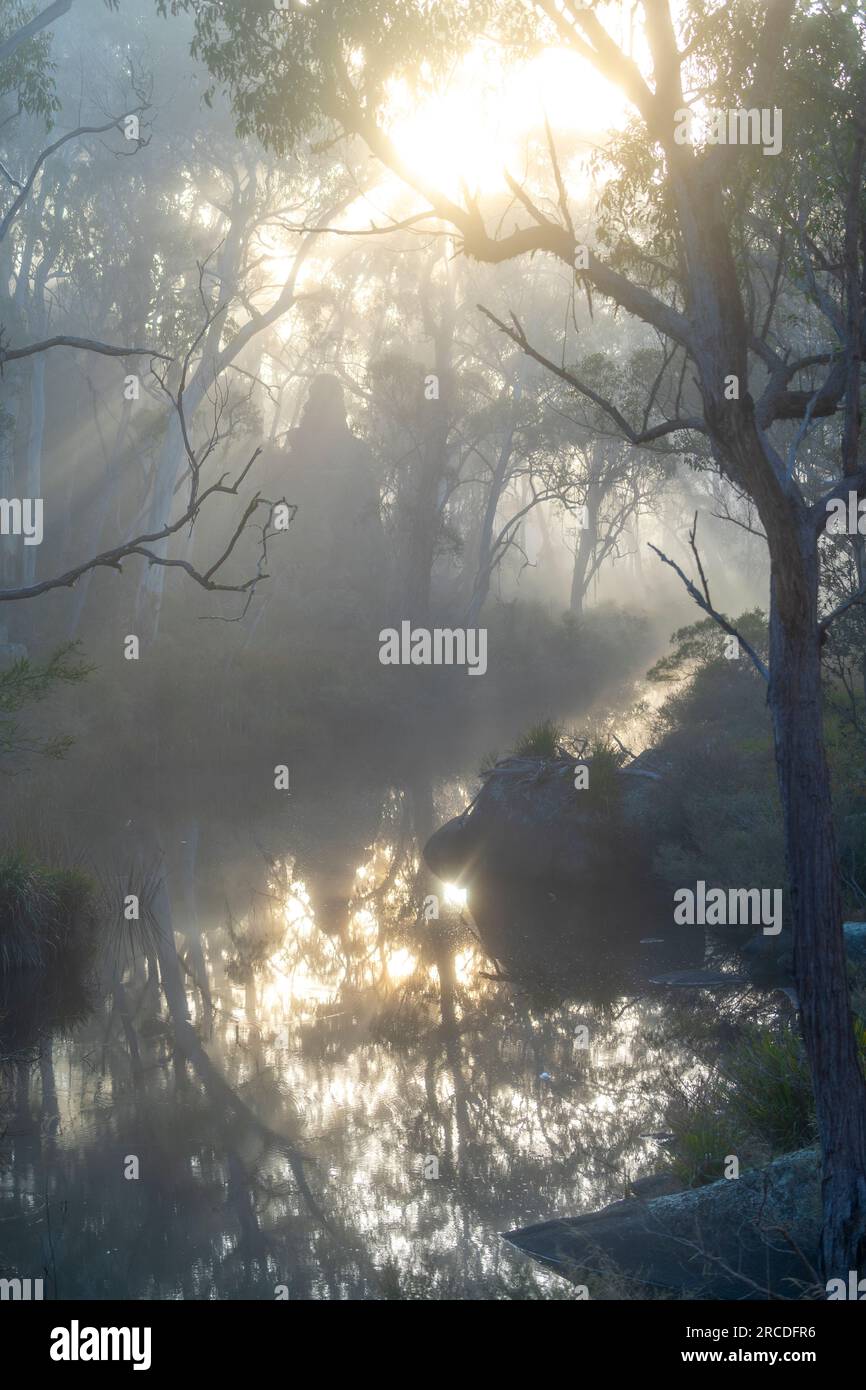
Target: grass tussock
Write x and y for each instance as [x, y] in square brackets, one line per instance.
[45, 914]
[756, 1105]
[541, 740]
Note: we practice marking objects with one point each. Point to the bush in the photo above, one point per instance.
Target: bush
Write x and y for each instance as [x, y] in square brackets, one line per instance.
[605, 784]
[542, 740]
[756, 1104]
[26, 683]
[701, 1146]
[771, 1097]
[45, 914]
[717, 811]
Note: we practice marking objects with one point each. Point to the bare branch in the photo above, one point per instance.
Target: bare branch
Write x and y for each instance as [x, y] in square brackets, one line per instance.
[647, 436]
[86, 344]
[142, 545]
[26, 186]
[703, 602]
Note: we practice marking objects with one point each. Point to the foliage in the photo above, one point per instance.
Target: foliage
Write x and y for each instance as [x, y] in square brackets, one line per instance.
[702, 644]
[288, 70]
[756, 1103]
[44, 913]
[771, 1090]
[722, 825]
[541, 740]
[26, 683]
[725, 826]
[605, 788]
[28, 74]
[700, 1147]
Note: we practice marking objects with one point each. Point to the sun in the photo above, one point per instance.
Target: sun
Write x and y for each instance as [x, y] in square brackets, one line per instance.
[469, 134]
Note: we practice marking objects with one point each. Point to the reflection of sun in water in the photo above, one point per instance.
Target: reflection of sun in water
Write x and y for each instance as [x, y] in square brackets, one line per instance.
[455, 896]
[401, 964]
[307, 974]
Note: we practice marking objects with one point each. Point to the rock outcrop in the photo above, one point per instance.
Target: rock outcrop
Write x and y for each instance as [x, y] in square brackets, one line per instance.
[532, 819]
[747, 1238]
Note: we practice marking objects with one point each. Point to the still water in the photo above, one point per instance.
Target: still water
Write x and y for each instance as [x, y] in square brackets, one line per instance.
[336, 1094]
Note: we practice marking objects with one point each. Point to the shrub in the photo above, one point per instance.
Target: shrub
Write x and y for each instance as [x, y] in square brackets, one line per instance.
[26, 683]
[45, 914]
[605, 784]
[541, 740]
[771, 1089]
[701, 1146]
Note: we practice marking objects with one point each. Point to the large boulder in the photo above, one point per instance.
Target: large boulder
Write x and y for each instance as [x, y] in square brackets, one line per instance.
[752, 1237]
[532, 818]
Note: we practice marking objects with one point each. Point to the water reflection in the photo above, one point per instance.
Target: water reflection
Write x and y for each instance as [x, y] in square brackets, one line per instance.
[328, 1088]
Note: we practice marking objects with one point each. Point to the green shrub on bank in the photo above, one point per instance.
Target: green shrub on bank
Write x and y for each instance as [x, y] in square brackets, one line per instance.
[757, 1105]
[771, 1090]
[701, 1146]
[541, 740]
[45, 914]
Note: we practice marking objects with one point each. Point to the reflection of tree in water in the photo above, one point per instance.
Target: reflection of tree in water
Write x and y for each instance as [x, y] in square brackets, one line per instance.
[292, 1150]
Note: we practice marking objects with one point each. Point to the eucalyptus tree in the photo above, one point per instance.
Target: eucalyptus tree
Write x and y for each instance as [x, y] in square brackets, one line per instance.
[167, 247]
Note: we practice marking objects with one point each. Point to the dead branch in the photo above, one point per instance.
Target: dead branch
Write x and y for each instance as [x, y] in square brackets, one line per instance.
[86, 344]
[25, 187]
[197, 497]
[703, 600]
[647, 436]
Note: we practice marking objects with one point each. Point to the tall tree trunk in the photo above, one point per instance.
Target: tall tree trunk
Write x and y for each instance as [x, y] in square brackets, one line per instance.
[484, 561]
[33, 486]
[10, 546]
[419, 504]
[100, 509]
[819, 949]
[587, 541]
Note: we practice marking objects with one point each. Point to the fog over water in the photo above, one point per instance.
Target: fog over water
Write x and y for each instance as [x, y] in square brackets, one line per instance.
[408, 444]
